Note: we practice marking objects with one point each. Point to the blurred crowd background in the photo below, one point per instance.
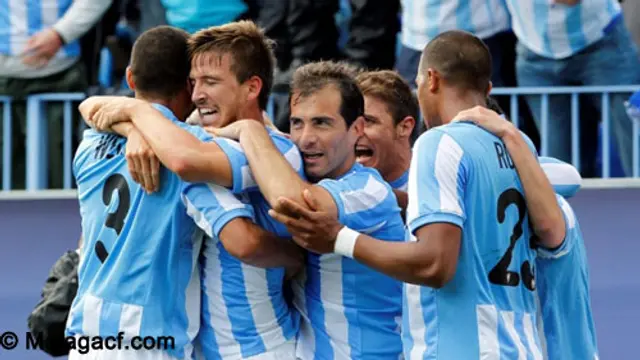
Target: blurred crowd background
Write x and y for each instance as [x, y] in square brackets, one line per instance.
[84, 46]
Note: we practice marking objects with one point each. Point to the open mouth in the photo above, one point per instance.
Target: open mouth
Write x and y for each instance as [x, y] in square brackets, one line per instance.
[363, 153]
[208, 116]
[311, 157]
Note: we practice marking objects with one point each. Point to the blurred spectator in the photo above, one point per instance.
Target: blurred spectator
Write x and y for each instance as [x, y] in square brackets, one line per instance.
[194, 15]
[580, 43]
[422, 20]
[40, 52]
[306, 30]
[631, 11]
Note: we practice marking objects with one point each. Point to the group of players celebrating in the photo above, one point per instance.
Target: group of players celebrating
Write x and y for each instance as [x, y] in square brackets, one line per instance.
[336, 241]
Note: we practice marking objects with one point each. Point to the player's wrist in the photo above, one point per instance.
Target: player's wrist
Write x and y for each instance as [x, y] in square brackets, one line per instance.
[345, 242]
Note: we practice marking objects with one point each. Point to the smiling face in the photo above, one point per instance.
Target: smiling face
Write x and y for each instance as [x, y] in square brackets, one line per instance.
[320, 132]
[217, 93]
[377, 146]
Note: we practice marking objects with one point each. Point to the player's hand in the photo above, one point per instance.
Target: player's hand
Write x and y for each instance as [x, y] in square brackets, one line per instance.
[231, 131]
[112, 111]
[313, 229]
[41, 47]
[486, 119]
[142, 161]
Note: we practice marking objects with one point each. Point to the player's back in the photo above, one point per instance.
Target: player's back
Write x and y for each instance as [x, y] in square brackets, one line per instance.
[488, 305]
[566, 326]
[137, 272]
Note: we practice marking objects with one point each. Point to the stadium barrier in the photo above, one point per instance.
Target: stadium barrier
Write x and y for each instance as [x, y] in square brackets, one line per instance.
[37, 129]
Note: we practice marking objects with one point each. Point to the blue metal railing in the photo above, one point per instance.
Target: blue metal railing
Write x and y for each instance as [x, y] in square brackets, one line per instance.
[574, 92]
[37, 129]
[37, 138]
[6, 143]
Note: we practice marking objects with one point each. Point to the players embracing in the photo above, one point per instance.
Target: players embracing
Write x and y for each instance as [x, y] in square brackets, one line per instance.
[348, 216]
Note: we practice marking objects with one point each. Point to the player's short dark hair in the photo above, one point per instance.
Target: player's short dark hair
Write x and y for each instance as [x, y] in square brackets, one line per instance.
[160, 62]
[313, 77]
[492, 104]
[462, 59]
[250, 50]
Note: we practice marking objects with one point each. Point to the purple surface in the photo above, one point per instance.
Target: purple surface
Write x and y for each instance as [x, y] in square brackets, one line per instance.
[34, 234]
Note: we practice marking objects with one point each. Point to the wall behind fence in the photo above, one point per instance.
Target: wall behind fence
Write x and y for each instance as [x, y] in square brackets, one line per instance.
[34, 233]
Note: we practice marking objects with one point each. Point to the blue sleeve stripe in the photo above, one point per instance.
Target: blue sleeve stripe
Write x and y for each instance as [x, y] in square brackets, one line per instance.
[421, 221]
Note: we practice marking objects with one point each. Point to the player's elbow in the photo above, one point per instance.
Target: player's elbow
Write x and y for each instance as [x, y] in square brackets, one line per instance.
[247, 247]
[437, 274]
[550, 232]
[183, 167]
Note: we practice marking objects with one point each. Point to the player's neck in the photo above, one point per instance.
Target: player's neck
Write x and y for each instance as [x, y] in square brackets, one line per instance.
[401, 163]
[251, 113]
[457, 102]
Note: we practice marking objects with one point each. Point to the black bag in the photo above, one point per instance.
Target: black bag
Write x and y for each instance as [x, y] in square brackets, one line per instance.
[48, 320]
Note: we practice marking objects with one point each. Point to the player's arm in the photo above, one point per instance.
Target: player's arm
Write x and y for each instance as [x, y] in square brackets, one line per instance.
[220, 214]
[177, 149]
[544, 212]
[436, 221]
[275, 177]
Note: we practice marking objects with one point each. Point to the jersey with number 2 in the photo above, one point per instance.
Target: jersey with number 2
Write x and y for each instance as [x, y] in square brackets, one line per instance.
[462, 175]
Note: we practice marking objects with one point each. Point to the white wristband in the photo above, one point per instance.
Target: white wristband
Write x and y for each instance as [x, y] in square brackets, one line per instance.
[346, 242]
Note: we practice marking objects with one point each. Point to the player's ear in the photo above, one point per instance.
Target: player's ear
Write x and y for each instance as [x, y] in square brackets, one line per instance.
[129, 77]
[405, 127]
[489, 88]
[358, 126]
[253, 87]
[433, 80]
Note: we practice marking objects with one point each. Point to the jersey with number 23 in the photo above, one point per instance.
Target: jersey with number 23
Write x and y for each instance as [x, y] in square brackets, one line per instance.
[462, 175]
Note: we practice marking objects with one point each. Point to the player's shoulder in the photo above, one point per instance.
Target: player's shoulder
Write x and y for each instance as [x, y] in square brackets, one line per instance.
[288, 149]
[195, 130]
[362, 184]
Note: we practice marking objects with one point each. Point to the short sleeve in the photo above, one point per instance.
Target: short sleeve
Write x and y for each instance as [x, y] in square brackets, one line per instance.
[243, 179]
[212, 206]
[437, 181]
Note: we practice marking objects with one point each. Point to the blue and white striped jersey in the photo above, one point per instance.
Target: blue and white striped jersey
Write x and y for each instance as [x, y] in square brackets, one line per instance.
[422, 20]
[19, 20]
[463, 175]
[566, 326]
[401, 183]
[244, 311]
[350, 311]
[138, 270]
[558, 31]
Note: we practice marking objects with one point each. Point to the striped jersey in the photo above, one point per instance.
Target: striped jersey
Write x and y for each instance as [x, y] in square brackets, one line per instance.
[138, 271]
[462, 174]
[401, 183]
[422, 20]
[566, 326]
[558, 31]
[564, 178]
[244, 312]
[350, 311]
[19, 20]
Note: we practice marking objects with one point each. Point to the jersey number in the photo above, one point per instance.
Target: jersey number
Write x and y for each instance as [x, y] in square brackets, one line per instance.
[500, 275]
[114, 220]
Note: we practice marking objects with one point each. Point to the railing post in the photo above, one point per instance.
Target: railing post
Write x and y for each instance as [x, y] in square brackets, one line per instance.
[37, 144]
[606, 142]
[7, 135]
[575, 131]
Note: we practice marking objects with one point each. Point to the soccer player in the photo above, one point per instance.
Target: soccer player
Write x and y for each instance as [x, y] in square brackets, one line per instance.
[349, 311]
[245, 313]
[138, 274]
[566, 325]
[391, 111]
[474, 253]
